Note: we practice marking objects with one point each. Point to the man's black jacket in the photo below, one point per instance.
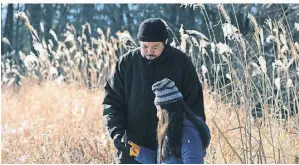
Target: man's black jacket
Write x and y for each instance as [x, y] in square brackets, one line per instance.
[129, 101]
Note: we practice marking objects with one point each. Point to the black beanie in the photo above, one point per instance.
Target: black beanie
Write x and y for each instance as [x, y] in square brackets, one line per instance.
[152, 30]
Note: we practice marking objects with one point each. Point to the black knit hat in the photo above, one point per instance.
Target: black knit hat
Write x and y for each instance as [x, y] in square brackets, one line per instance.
[152, 30]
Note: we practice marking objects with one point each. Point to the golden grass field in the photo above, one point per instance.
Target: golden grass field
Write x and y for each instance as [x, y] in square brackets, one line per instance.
[54, 113]
[52, 123]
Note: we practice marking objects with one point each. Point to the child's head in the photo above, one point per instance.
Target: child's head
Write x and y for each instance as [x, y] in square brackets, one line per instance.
[167, 98]
[166, 92]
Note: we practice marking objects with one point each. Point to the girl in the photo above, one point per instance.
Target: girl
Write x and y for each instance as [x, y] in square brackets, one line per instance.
[182, 137]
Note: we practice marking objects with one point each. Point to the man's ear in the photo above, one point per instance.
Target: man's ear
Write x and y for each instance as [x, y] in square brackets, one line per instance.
[166, 41]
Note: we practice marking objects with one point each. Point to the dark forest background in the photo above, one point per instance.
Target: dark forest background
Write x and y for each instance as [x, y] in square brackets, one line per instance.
[119, 17]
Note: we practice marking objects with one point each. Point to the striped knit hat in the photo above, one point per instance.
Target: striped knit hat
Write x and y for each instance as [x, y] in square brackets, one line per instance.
[166, 92]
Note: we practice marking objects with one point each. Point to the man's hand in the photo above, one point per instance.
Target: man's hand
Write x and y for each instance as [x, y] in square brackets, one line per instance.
[134, 150]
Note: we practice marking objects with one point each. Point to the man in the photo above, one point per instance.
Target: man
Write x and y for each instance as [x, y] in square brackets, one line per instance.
[128, 103]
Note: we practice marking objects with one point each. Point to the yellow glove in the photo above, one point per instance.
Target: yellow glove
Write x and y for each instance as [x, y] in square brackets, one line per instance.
[134, 150]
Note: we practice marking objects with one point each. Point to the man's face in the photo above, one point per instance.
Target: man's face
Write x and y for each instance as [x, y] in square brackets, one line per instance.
[151, 50]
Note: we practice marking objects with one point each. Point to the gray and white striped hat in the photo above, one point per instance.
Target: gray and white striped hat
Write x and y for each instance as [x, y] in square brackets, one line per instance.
[166, 92]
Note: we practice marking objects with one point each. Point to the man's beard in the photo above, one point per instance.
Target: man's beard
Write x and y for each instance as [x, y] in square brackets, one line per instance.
[149, 56]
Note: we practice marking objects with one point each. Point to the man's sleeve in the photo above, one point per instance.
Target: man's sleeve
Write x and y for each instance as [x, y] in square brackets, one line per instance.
[114, 101]
[192, 90]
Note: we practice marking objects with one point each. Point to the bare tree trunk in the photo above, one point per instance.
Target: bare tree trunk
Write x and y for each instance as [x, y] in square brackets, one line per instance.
[130, 23]
[17, 32]
[88, 13]
[8, 30]
[63, 9]
[173, 13]
[48, 18]
[35, 12]
[16, 39]
[116, 17]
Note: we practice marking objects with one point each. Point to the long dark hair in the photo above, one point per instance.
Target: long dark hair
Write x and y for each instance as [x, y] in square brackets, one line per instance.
[169, 130]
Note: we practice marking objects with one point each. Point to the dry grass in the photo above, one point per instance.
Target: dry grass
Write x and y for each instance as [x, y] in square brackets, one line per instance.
[51, 123]
[75, 58]
[234, 138]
